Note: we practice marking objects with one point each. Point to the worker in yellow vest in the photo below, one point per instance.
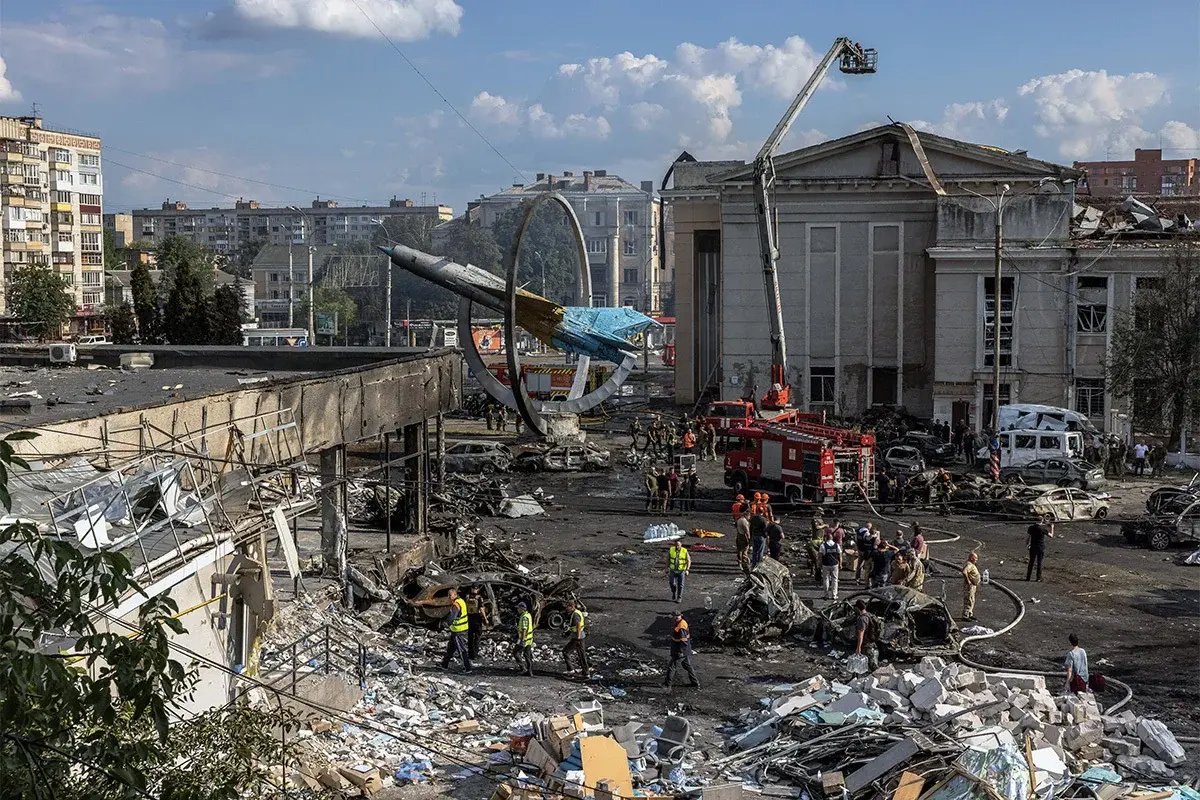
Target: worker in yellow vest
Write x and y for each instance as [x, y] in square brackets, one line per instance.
[457, 644]
[679, 562]
[523, 651]
[576, 640]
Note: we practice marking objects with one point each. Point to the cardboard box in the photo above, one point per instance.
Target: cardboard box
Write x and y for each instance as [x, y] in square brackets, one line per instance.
[464, 726]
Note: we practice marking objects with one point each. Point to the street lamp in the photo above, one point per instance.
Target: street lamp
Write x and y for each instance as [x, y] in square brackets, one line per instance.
[387, 325]
[312, 301]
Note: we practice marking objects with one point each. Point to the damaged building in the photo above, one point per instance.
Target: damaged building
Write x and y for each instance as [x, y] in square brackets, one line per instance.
[886, 276]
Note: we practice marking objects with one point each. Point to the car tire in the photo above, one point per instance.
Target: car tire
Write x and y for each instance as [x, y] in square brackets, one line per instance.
[556, 620]
[739, 483]
[1158, 540]
[794, 495]
[1101, 512]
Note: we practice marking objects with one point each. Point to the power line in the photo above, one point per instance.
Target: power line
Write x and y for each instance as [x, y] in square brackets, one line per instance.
[436, 91]
[174, 180]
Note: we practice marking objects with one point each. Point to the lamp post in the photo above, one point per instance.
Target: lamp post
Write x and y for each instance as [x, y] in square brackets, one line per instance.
[387, 271]
[312, 300]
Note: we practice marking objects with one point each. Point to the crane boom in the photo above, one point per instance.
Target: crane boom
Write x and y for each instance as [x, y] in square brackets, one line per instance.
[852, 59]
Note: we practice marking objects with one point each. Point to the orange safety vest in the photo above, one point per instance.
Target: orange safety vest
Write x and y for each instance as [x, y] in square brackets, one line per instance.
[689, 439]
[737, 508]
[680, 634]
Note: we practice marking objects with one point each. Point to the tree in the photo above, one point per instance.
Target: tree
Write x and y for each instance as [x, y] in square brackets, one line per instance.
[548, 245]
[470, 244]
[113, 255]
[225, 315]
[122, 322]
[145, 304]
[1155, 355]
[84, 710]
[333, 301]
[187, 279]
[40, 299]
[242, 262]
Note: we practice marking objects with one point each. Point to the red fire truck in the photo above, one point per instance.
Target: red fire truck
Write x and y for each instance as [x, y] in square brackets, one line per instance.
[804, 461]
[727, 415]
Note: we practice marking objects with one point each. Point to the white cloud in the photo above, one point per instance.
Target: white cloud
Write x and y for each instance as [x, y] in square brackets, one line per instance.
[7, 92]
[130, 55]
[1181, 136]
[495, 109]
[646, 116]
[406, 20]
[968, 121]
[535, 120]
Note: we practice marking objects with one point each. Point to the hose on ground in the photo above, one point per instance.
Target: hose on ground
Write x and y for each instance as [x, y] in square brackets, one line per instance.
[1020, 606]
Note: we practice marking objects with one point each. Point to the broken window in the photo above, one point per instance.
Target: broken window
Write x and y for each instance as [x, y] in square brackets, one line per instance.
[1089, 396]
[1006, 321]
[821, 384]
[1091, 304]
[1025, 441]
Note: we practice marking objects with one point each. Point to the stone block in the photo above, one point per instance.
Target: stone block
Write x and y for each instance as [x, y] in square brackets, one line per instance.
[1020, 700]
[969, 721]
[868, 683]
[1144, 765]
[999, 688]
[898, 718]
[1120, 746]
[928, 694]
[931, 666]
[943, 711]
[794, 705]
[850, 702]
[1015, 680]
[1053, 735]
[884, 672]
[1082, 734]
[908, 682]
[971, 680]
[1161, 742]
[887, 698]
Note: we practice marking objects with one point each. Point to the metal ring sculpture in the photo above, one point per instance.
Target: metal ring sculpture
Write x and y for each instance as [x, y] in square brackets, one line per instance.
[517, 397]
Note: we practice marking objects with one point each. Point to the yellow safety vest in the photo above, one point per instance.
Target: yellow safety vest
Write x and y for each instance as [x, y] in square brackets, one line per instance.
[577, 623]
[525, 629]
[459, 623]
[678, 558]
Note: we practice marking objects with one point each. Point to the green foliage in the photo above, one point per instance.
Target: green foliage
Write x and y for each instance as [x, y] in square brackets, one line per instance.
[331, 300]
[85, 711]
[548, 244]
[122, 322]
[225, 315]
[187, 281]
[1155, 355]
[113, 256]
[243, 259]
[39, 298]
[145, 305]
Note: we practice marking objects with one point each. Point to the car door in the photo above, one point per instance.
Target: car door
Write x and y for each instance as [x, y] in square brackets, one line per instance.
[1083, 505]
[1060, 503]
[1034, 472]
[1054, 470]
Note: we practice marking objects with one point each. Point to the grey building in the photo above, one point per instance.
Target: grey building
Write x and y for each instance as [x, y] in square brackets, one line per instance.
[280, 281]
[620, 226]
[887, 285]
[224, 229]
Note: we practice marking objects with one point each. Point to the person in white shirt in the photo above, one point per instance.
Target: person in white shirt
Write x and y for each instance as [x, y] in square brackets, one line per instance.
[1139, 458]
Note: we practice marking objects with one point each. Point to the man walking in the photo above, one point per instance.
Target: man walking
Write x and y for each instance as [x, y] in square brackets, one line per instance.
[681, 651]
[689, 442]
[477, 620]
[882, 555]
[1038, 533]
[523, 648]
[576, 641]
[691, 488]
[775, 539]
[635, 432]
[651, 489]
[830, 556]
[758, 537]
[742, 542]
[916, 574]
[679, 563]
[864, 635]
[710, 441]
[864, 543]
[1139, 458]
[971, 579]
[1076, 663]
[664, 491]
[456, 645]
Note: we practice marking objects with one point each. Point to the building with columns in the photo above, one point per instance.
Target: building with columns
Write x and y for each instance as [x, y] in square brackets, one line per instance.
[620, 227]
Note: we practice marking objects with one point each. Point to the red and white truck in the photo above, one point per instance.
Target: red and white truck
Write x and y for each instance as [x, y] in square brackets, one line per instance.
[725, 415]
[806, 462]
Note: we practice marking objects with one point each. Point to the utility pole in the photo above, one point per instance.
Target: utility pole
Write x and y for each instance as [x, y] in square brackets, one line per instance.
[291, 304]
[996, 313]
[387, 325]
[312, 300]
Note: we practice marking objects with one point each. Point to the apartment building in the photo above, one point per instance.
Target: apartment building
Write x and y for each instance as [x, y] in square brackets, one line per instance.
[223, 230]
[51, 198]
[1147, 174]
[620, 226]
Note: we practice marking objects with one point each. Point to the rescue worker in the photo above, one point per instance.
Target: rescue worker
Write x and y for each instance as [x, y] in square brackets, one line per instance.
[756, 505]
[774, 538]
[766, 506]
[523, 647]
[672, 441]
[920, 547]
[943, 488]
[635, 432]
[971, 580]
[864, 635]
[456, 645]
[681, 651]
[664, 491]
[739, 507]
[477, 619]
[651, 489]
[743, 540]
[900, 569]
[830, 559]
[864, 544]
[576, 640]
[710, 441]
[679, 563]
[916, 574]
[815, 537]
[758, 538]
[689, 442]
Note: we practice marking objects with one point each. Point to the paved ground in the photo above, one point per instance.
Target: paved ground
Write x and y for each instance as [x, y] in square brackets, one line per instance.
[1136, 612]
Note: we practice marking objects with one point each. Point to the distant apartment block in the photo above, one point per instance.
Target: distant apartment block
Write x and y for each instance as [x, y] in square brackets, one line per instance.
[223, 230]
[1147, 174]
[620, 227]
[121, 226]
[51, 192]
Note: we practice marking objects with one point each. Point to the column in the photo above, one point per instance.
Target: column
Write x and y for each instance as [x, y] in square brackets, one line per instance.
[333, 490]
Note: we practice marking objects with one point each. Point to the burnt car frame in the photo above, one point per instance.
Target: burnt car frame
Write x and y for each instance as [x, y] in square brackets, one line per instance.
[914, 624]
[1174, 520]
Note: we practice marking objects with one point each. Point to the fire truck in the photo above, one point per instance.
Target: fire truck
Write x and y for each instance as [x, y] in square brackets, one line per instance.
[551, 382]
[804, 461]
[727, 415]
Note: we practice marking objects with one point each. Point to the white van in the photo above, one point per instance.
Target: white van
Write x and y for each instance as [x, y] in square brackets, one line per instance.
[92, 339]
[1018, 448]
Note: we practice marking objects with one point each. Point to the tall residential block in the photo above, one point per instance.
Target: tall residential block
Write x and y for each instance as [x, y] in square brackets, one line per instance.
[51, 193]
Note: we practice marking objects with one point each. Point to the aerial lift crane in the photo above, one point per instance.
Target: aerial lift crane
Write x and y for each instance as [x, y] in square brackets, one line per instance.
[854, 60]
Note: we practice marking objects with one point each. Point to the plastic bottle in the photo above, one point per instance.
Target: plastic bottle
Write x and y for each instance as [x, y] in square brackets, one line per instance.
[708, 602]
[986, 578]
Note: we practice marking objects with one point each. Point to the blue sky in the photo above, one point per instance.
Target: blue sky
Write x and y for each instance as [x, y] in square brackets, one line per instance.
[207, 100]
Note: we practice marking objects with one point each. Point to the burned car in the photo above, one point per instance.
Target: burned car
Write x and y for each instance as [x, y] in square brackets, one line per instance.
[1060, 503]
[764, 605]
[914, 624]
[1175, 519]
[477, 457]
[562, 458]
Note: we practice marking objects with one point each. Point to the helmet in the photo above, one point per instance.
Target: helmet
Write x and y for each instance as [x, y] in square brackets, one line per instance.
[740, 497]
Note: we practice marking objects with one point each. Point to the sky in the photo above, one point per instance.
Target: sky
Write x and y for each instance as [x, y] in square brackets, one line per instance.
[283, 100]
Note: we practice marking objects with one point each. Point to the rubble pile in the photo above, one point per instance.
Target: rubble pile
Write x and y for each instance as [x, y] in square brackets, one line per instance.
[371, 503]
[945, 723]
[463, 496]
[1132, 216]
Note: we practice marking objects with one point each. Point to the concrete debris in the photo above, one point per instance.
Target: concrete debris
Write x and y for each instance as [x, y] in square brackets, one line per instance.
[764, 605]
[1130, 217]
[1161, 741]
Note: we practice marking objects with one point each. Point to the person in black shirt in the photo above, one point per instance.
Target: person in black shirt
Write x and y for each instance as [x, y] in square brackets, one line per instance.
[1038, 533]
[774, 539]
[758, 539]
[881, 563]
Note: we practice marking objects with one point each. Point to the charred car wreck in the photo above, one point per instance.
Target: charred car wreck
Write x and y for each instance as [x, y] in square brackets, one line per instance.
[764, 605]
[913, 623]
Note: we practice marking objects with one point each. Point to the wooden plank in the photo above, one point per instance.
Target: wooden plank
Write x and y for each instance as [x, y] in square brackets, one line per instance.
[910, 786]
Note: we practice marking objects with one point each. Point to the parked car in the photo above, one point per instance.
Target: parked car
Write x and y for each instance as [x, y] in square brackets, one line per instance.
[92, 339]
[1177, 520]
[1060, 502]
[902, 458]
[1059, 471]
[478, 457]
[933, 449]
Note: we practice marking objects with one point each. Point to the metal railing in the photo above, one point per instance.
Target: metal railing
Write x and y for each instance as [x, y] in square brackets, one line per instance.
[322, 650]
